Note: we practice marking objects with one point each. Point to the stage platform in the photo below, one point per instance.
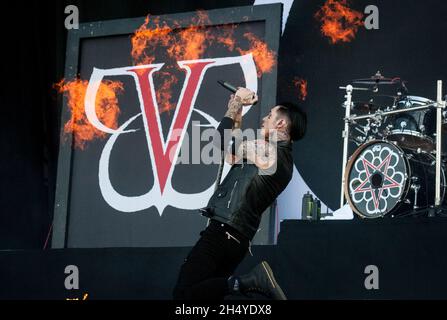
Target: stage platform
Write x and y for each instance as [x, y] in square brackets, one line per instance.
[312, 260]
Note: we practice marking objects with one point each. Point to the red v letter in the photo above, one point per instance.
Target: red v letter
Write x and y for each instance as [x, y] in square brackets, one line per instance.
[194, 77]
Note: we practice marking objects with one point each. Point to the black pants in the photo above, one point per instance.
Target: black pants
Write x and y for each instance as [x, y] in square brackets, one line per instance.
[210, 263]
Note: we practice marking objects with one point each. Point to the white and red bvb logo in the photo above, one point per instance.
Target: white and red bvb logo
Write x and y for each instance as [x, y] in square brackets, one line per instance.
[162, 194]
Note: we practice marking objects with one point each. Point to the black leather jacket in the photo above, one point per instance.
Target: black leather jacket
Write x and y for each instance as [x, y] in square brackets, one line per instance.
[245, 193]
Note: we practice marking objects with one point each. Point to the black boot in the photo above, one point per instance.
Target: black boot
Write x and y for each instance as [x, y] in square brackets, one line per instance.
[261, 280]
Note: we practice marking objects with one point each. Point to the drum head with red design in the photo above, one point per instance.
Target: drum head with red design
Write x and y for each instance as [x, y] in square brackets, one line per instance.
[376, 179]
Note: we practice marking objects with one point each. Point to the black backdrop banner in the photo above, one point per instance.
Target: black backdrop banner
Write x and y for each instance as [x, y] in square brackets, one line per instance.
[409, 43]
[125, 190]
[29, 139]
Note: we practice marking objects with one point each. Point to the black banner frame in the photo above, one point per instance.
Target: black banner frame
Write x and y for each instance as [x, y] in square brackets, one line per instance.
[270, 14]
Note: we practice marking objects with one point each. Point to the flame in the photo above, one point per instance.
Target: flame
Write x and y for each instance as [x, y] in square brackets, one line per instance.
[228, 42]
[180, 43]
[263, 56]
[339, 22]
[164, 92]
[301, 84]
[107, 108]
[190, 43]
[148, 38]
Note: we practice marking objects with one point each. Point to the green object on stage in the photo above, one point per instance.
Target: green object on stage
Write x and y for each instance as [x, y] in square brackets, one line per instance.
[306, 207]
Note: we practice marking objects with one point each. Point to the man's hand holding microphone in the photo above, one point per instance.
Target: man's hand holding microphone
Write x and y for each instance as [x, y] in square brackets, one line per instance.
[242, 97]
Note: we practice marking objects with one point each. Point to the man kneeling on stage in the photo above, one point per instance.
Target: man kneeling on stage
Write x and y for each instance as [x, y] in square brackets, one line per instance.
[236, 207]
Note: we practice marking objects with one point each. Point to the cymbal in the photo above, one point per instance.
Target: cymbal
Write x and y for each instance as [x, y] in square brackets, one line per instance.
[377, 79]
[387, 96]
[371, 81]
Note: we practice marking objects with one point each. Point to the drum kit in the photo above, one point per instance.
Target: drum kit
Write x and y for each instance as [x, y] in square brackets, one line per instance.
[398, 168]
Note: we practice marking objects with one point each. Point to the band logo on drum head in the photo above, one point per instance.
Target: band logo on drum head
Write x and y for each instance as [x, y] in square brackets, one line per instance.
[376, 179]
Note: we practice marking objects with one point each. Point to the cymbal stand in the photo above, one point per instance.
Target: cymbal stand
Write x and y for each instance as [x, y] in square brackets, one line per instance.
[440, 106]
[345, 134]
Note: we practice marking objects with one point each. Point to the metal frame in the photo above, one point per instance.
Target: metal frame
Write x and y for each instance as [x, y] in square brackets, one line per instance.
[345, 134]
[439, 105]
[271, 14]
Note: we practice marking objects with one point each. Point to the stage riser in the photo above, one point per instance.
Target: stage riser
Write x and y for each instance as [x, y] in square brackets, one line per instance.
[118, 273]
[313, 260]
[327, 260]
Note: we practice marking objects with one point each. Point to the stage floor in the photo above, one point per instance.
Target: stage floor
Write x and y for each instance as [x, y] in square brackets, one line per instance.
[312, 260]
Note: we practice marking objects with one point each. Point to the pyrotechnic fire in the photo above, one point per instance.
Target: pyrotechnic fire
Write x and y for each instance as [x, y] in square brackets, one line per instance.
[263, 56]
[164, 92]
[339, 22]
[187, 43]
[301, 84]
[190, 43]
[107, 109]
[177, 43]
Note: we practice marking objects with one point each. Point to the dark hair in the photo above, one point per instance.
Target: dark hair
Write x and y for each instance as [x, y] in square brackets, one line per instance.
[297, 119]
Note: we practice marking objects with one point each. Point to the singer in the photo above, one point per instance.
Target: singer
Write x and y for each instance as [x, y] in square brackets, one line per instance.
[236, 207]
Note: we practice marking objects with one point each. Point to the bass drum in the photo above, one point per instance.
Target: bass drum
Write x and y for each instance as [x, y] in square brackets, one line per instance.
[385, 179]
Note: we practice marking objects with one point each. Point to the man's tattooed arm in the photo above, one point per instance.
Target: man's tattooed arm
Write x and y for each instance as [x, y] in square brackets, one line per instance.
[234, 107]
[260, 152]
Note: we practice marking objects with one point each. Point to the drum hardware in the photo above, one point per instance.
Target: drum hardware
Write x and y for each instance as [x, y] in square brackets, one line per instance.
[395, 98]
[344, 105]
[415, 186]
[403, 125]
[377, 79]
[440, 106]
[362, 106]
[413, 212]
[444, 121]
[387, 130]
[375, 121]
[431, 212]
[345, 134]
[359, 140]
[406, 122]
[362, 129]
[380, 113]
[385, 179]
[403, 90]
[422, 128]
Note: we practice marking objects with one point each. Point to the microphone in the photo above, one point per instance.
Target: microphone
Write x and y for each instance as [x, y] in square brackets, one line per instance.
[227, 86]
